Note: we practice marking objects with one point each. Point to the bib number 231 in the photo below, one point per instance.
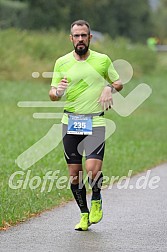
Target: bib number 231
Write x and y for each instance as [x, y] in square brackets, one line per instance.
[79, 125]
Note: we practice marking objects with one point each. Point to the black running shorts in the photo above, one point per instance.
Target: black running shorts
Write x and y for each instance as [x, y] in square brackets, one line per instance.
[77, 146]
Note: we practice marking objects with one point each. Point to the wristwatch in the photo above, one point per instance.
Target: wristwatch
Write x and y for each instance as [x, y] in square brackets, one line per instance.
[113, 90]
[57, 95]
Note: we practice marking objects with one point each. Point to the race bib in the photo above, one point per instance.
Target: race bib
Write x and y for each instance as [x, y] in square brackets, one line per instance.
[79, 125]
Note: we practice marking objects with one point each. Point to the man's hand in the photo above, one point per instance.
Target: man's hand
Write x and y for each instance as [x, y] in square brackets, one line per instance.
[106, 98]
[62, 87]
[56, 93]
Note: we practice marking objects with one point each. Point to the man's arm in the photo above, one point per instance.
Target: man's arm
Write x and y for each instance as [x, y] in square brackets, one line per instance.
[56, 93]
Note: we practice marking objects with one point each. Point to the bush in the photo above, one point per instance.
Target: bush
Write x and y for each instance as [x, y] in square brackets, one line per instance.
[142, 59]
[24, 52]
[12, 13]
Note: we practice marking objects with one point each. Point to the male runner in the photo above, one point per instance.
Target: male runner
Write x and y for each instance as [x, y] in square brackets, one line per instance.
[87, 79]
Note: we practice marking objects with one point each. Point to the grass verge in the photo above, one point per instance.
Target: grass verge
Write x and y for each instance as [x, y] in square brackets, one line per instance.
[139, 142]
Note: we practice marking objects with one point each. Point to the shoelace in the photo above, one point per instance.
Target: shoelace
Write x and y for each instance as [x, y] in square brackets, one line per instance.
[96, 206]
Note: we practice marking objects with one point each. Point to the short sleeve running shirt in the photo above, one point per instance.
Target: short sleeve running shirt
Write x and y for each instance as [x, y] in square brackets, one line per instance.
[86, 82]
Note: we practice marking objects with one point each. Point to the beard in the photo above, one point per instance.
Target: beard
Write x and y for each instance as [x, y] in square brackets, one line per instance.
[81, 51]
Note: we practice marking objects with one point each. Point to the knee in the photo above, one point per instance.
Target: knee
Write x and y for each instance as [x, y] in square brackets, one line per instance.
[94, 174]
[74, 179]
[75, 175]
[93, 168]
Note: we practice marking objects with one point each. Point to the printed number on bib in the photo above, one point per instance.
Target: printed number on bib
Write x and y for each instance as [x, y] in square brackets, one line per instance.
[79, 125]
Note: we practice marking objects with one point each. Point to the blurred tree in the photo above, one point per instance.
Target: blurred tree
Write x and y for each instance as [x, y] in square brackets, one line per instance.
[47, 14]
[131, 19]
[11, 13]
[160, 21]
[126, 18]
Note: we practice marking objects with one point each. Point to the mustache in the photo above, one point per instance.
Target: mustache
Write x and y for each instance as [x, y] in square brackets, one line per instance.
[81, 43]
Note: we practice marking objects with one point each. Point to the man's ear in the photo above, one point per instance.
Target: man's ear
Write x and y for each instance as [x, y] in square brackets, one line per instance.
[71, 38]
[90, 36]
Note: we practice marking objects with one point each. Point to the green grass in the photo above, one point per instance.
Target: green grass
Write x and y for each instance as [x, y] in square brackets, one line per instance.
[139, 143]
[18, 132]
[140, 139]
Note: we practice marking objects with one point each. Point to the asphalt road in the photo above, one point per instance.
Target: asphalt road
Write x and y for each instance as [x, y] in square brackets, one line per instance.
[134, 220]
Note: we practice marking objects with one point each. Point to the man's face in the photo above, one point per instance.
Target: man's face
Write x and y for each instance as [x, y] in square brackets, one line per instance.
[80, 39]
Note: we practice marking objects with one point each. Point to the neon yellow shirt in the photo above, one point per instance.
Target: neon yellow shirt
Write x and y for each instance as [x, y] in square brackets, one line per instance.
[86, 82]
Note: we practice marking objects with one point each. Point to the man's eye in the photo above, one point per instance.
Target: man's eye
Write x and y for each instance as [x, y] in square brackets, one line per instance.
[83, 35]
[78, 35]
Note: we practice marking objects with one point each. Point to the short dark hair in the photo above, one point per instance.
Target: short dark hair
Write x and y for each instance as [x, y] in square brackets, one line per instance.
[81, 23]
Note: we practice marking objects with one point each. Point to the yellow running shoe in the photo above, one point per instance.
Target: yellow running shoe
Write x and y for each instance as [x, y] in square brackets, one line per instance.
[84, 222]
[96, 212]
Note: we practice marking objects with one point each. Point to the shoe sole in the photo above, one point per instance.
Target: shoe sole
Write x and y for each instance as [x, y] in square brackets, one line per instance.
[80, 229]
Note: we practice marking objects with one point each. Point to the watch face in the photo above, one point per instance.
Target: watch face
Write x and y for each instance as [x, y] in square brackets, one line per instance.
[57, 94]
